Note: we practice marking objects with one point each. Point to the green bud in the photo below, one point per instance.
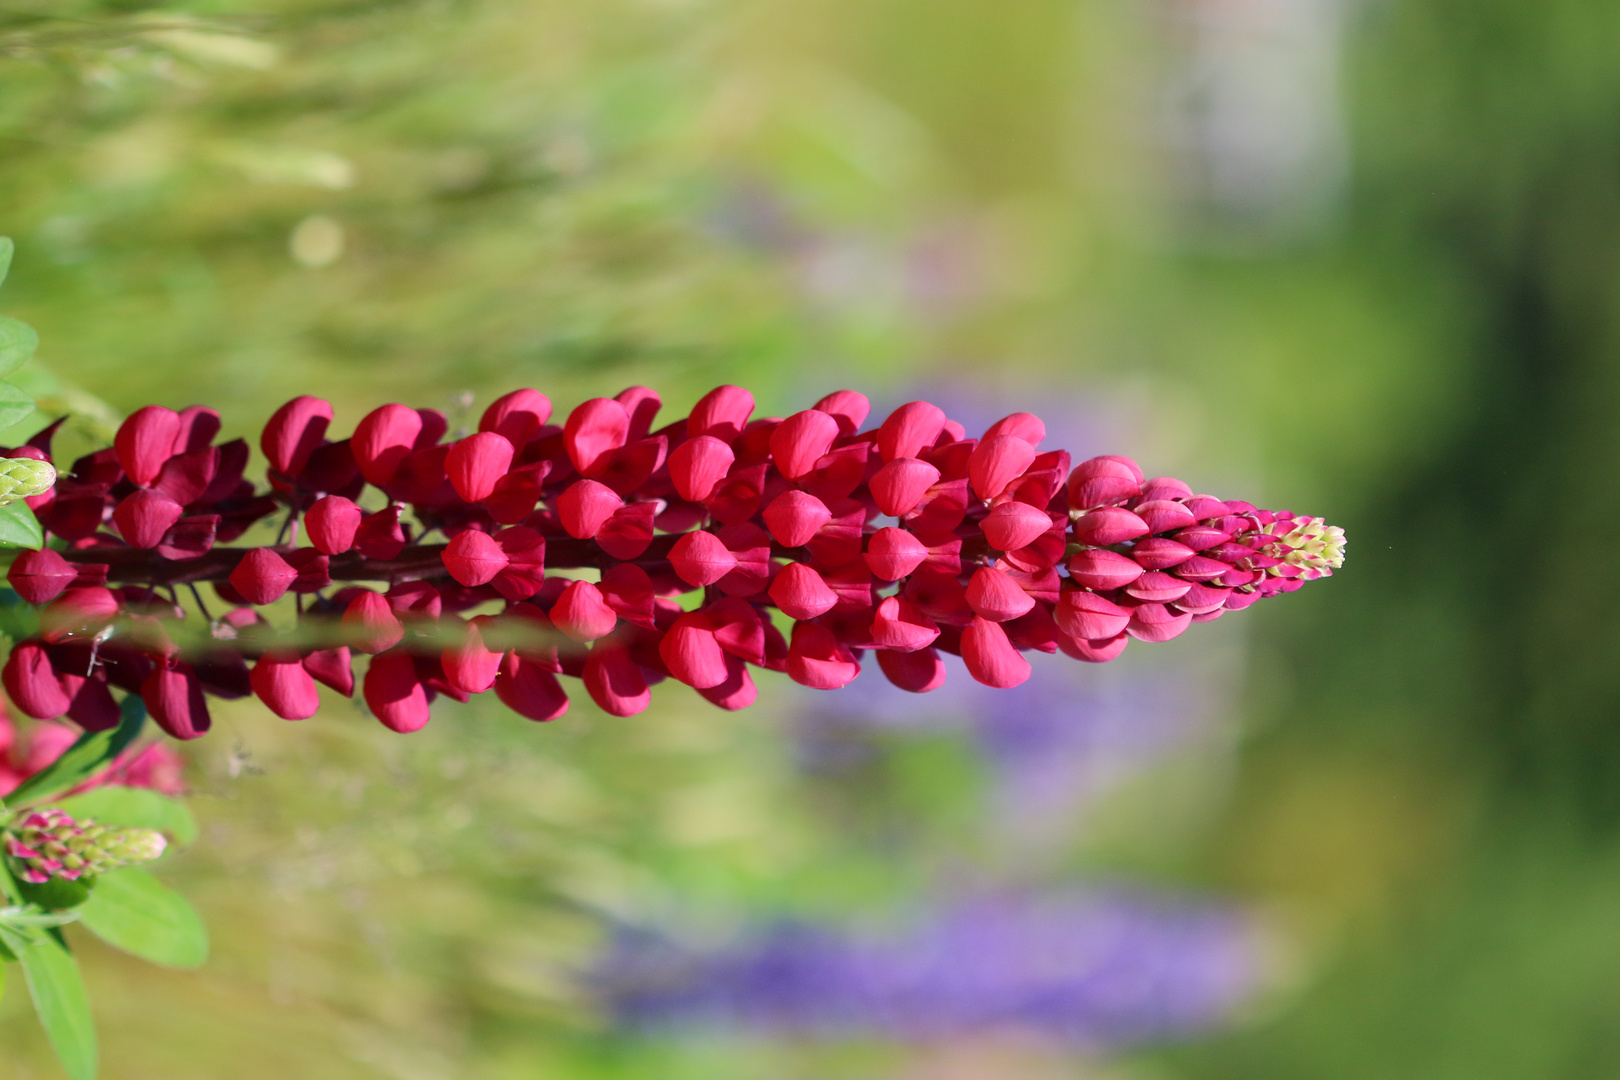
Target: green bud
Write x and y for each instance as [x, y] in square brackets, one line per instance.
[23, 478]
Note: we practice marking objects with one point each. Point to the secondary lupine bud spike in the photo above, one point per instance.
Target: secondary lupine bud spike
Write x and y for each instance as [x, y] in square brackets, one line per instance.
[984, 546]
[49, 843]
[23, 478]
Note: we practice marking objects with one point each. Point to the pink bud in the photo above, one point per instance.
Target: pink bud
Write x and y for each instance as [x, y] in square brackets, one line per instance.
[1094, 652]
[477, 463]
[174, 697]
[1108, 526]
[899, 486]
[1162, 515]
[284, 685]
[691, 652]
[144, 516]
[293, 433]
[332, 667]
[793, 517]
[529, 690]
[990, 657]
[699, 558]
[32, 683]
[474, 558]
[78, 612]
[383, 440]
[997, 462]
[1199, 568]
[628, 530]
[902, 626]
[594, 430]
[1201, 537]
[817, 660]
[380, 535]
[1090, 617]
[994, 595]
[1014, 524]
[1158, 587]
[1203, 599]
[1105, 570]
[332, 523]
[697, 465]
[262, 576]
[369, 623]
[800, 440]
[1155, 622]
[801, 593]
[1021, 425]
[1103, 481]
[723, 412]
[584, 506]
[395, 694]
[615, 681]
[145, 441]
[893, 553]
[582, 613]
[1164, 487]
[737, 691]
[918, 672]
[40, 576]
[470, 666]
[848, 407]
[909, 430]
[1160, 553]
[517, 417]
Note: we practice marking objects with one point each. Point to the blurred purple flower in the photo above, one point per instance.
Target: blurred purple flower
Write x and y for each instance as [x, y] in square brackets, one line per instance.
[1093, 970]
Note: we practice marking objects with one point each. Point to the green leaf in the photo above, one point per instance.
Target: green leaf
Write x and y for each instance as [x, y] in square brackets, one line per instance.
[57, 894]
[6, 955]
[18, 618]
[131, 910]
[63, 1007]
[84, 758]
[17, 343]
[135, 808]
[19, 527]
[16, 404]
[6, 248]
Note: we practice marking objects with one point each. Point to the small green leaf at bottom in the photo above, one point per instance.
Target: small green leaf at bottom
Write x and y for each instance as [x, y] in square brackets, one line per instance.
[131, 910]
[19, 528]
[62, 1005]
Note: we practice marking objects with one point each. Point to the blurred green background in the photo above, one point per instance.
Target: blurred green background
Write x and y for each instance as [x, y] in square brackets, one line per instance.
[1356, 259]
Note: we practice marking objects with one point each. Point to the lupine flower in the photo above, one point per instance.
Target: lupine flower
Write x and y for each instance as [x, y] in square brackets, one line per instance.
[48, 844]
[908, 538]
[1093, 970]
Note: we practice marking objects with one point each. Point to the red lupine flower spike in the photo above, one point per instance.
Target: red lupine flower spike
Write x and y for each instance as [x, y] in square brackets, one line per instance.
[585, 507]
[281, 681]
[517, 416]
[900, 485]
[383, 440]
[700, 558]
[909, 430]
[477, 463]
[722, 413]
[143, 517]
[331, 524]
[395, 694]
[145, 441]
[40, 576]
[293, 433]
[262, 577]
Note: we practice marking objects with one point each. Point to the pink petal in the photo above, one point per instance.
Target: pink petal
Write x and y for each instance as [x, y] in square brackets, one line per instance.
[284, 685]
[801, 593]
[816, 658]
[594, 430]
[615, 681]
[850, 408]
[584, 506]
[582, 613]
[900, 485]
[40, 576]
[529, 690]
[369, 623]
[909, 430]
[997, 462]
[990, 657]
[1108, 526]
[893, 553]
[395, 694]
[293, 433]
[723, 412]
[699, 558]
[384, 439]
[174, 697]
[477, 463]
[517, 417]
[1021, 425]
[800, 440]
[145, 441]
[691, 652]
[32, 684]
[900, 625]
[331, 524]
[1013, 525]
[144, 516]
[262, 576]
[994, 595]
[697, 465]
[1090, 617]
[1105, 570]
[793, 517]
[918, 672]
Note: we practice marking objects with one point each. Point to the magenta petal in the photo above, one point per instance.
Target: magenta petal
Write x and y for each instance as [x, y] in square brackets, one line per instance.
[40, 576]
[909, 430]
[801, 593]
[32, 684]
[174, 697]
[849, 407]
[144, 516]
[529, 690]
[285, 686]
[893, 553]
[1086, 615]
[370, 624]
[474, 558]
[994, 595]
[1109, 526]
[594, 430]
[1096, 568]
[615, 681]
[477, 463]
[517, 417]
[582, 613]
[262, 576]
[584, 506]
[293, 433]
[384, 439]
[145, 441]
[394, 693]
[697, 465]
[793, 517]
[997, 462]
[990, 657]
[799, 442]
[1020, 425]
[700, 558]
[723, 412]
[1014, 524]
[900, 625]
[691, 652]
[900, 485]
[918, 672]
[332, 523]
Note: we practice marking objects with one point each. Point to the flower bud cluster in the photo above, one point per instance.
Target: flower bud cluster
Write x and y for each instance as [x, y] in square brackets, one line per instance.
[48, 844]
[904, 540]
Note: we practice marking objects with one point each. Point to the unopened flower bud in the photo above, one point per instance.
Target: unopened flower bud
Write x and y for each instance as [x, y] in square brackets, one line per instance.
[23, 478]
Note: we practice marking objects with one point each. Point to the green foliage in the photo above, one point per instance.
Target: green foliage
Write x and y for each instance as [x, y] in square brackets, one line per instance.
[17, 344]
[132, 911]
[18, 620]
[61, 1003]
[19, 528]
